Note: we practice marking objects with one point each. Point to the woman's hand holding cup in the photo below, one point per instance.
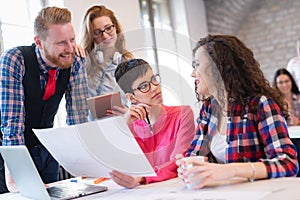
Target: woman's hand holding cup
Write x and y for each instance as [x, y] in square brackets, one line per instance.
[185, 165]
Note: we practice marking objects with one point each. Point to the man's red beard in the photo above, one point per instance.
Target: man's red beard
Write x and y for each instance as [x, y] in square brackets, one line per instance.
[56, 61]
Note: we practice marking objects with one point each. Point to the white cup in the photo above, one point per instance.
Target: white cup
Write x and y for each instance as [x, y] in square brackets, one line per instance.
[190, 185]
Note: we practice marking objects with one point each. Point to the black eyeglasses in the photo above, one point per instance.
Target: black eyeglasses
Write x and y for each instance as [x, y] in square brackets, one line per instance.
[109, 29]
[145, 86]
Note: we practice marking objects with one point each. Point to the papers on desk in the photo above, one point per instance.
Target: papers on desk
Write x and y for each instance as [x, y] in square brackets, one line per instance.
[294, 132]
[95, 148]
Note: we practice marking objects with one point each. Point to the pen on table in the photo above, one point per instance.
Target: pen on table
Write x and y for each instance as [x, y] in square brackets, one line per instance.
[99, 180]
[148, 121]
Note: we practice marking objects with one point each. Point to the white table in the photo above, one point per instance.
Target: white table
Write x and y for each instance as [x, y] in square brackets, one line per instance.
[294, 132]
[281, 188]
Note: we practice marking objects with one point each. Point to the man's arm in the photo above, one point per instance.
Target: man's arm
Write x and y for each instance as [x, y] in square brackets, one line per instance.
[12, 71]
[76, 94]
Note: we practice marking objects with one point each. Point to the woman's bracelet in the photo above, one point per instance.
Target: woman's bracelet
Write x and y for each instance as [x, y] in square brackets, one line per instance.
[251, 179]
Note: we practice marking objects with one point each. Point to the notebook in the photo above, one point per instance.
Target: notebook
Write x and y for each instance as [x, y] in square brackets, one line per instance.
[30, 184]
[100, 104]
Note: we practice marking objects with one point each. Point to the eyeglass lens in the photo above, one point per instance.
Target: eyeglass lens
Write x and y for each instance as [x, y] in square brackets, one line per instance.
[146, 86]
[109, 29]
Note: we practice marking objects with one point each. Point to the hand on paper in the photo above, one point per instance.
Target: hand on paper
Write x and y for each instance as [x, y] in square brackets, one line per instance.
[126, 180]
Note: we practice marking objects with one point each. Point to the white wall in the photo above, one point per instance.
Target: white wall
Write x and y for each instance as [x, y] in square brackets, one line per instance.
[196, 18]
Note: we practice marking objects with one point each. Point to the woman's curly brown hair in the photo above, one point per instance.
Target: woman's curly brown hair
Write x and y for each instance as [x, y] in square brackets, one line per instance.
[239, 70]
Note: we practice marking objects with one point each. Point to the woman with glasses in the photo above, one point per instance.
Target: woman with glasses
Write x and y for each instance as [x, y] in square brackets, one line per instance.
[241, 127]
[288, 89]
[104, 43]
[161, 131]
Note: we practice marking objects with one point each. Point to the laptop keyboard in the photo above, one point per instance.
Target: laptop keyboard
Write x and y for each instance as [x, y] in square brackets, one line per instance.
[63, 192]
[74, 190]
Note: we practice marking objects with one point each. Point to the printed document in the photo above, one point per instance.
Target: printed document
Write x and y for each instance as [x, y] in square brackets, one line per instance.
[95, 148]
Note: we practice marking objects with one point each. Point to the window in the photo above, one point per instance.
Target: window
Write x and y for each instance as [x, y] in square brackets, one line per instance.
[16, 22]
[16, 29]
[169, 51]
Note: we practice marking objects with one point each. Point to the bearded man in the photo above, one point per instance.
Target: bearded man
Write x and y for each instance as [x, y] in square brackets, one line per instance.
[33, 81]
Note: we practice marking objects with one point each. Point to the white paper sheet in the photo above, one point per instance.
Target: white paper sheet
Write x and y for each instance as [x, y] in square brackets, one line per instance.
[95, 148]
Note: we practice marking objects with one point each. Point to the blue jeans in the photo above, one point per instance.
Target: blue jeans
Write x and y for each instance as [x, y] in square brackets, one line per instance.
[46, 165]
[3, 188]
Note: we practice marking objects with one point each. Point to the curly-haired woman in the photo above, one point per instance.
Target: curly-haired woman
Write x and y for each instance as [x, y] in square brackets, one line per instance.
[241, 121]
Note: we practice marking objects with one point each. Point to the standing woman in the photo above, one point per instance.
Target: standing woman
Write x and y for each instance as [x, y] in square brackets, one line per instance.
[288, 88]
[241, 113]
[104, 43]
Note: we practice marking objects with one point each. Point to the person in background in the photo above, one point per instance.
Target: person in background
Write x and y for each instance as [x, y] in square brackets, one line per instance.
[241, 121]
[288, 88]
[104, 43]
[161, 131]
[33, 81]
[293, 65]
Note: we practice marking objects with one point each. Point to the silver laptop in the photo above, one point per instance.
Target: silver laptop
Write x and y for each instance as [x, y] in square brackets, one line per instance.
[30, 184]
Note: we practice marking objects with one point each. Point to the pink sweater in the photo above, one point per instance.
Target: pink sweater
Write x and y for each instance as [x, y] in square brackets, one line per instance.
[172, 134]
